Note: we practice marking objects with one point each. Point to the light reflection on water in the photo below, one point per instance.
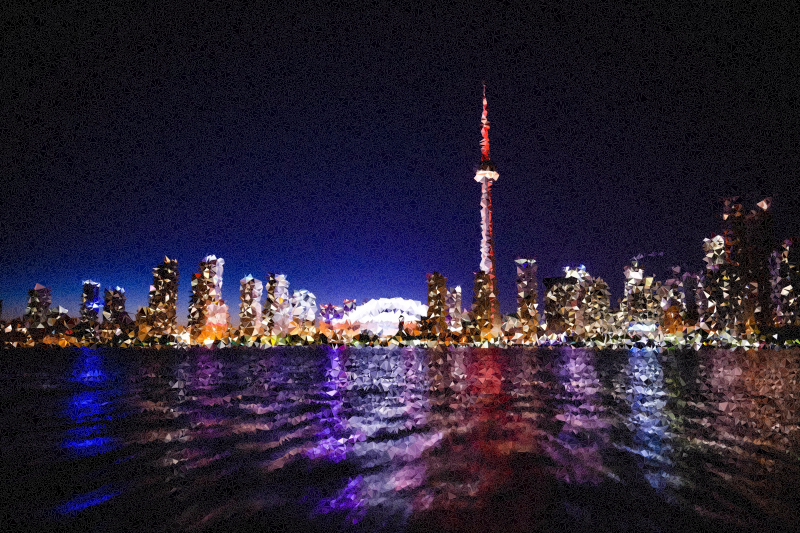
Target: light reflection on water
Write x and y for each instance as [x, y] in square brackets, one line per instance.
[406, 438]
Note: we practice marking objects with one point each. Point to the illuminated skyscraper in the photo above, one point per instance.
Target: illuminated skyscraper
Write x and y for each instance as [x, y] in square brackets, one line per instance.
[114, 314]
[481, 327]
[641, 303]
[435, 324]
[486, 309]
[527, 299]
[785, 270]
[250, 309]
[208, 313]
[453, 303]
[304, 314]
[38, 305]
[91, 306]
[564, 303]
[161, 313]
[276, 318]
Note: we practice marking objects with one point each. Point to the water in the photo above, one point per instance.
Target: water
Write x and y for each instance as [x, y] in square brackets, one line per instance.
[402, 439]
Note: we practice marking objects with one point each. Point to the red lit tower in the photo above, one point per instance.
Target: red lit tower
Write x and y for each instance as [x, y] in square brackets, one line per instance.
[486, 309]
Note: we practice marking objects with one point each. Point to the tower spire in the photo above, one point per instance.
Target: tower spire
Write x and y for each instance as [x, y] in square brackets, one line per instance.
[485, 156]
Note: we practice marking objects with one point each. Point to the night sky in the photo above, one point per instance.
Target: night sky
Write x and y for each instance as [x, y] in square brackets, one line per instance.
[338, 146]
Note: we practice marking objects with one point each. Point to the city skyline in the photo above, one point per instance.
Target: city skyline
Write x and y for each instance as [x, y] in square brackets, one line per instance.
[641, 261]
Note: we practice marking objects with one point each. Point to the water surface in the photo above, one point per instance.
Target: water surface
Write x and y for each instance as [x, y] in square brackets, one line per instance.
[400, 439]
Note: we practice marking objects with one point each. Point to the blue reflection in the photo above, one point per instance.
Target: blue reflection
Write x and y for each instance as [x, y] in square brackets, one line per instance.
[331, 442]
[648, 418]
[95, 497]
[95, 402]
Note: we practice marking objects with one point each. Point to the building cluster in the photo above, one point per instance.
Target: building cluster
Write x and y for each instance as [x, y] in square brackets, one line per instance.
[747, 295]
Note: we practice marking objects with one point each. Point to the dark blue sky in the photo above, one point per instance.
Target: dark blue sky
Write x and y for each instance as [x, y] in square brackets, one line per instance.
[338, 146]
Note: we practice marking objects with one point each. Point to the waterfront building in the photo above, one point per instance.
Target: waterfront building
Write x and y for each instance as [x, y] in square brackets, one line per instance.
[785, 283]
[116, 321]
[596, 312]
[435, 327]
[250, 309]
[36, 312]
[563, 309]
[270, 306]
[527, 301]
[577, 309]
[58, 323]
[640, 304]
[454, 311]
[114, 313]
[304, 314]
[718, 289]
[481, 329]
[280, 308]
[159, 318]
[673, 304]
[749, 245]
[208, 313]
[91, 305]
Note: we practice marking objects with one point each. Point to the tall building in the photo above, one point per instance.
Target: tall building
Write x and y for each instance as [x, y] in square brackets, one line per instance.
[58, 321]
[527, 299]
[36, 312]
[486, 308]
[641, 303]
[114, 314]
[719, 288]
[115, 329]
[270, 306]
[577, 308]
[160, 316]
[785, 270]
[208, 313]
[597, 315]
[91, 306]
[250, 309]
[39, 301]
[281, 306]
[304, 314]
[435, 323]
[481, 326]
[453, 303]
[749, 243]
[563, 309]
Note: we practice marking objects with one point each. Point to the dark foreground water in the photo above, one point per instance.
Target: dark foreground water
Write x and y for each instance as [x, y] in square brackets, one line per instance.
[403, 439]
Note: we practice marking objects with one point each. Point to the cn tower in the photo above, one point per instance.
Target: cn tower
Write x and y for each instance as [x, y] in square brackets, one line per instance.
[486, 175]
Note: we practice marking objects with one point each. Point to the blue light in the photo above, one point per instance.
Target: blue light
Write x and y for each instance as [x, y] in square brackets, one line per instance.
[90, 499]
